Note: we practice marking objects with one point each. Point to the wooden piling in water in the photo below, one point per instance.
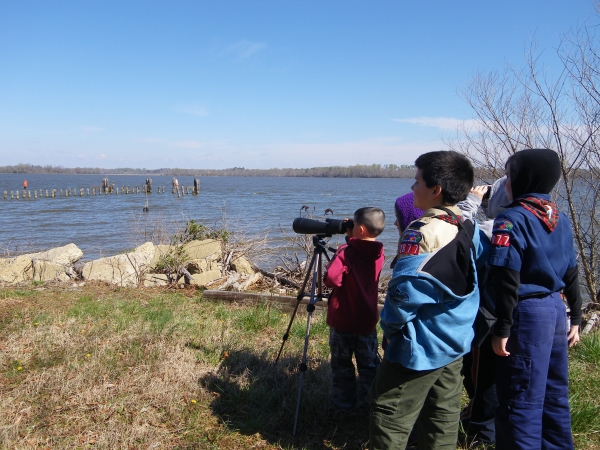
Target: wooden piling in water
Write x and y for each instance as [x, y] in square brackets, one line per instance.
[53, 193]
[5, 195]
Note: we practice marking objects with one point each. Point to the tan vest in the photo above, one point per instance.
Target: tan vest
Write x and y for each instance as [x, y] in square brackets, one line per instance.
[428, 232]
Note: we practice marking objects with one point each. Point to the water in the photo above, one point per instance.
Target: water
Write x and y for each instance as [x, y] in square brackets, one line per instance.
[104, 225]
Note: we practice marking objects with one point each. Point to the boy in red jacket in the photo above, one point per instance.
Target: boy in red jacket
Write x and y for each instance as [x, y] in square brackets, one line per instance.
[352, 312]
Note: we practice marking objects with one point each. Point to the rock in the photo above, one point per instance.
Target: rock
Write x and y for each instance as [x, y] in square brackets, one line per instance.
[160, 252]
[48, 271]
[202, 265]
[65, 255]
[127, 269]
[41, 266]
[16, 270]
[202, 279]
[156, 279]
[208, 248]
[242, 266]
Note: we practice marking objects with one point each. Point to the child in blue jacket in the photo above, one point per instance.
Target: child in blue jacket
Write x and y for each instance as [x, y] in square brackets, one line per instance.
[429, 312]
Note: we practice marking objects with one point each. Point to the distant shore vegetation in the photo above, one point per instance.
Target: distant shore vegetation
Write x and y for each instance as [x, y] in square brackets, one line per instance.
[356, 171]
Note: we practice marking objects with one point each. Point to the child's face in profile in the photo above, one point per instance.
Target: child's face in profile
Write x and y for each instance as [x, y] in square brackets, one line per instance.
[397, 224]
[424, 197]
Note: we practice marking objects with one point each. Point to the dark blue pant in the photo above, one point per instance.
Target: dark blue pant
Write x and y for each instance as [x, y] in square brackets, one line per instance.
[532, 383]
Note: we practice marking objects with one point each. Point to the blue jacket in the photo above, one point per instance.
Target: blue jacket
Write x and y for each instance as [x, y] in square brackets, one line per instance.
[431, 304]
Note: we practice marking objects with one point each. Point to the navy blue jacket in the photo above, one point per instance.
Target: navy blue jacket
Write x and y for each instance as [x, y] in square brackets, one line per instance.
[537, 262]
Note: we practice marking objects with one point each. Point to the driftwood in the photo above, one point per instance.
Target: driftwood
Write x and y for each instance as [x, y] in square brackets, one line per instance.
[234, 277]
[590, 324]
[282, 280]
[251, 297]
[249, 282]
[248, 297]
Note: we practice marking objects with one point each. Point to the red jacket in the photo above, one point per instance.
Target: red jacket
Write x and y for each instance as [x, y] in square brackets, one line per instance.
[353, 273]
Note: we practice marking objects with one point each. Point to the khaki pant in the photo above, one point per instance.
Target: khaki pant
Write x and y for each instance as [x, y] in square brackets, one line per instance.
[400, 395]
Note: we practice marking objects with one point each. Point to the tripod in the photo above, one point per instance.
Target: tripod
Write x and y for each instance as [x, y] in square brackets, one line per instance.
[316, 294]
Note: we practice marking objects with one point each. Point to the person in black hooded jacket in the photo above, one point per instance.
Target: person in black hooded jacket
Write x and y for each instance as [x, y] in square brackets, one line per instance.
[532, 260]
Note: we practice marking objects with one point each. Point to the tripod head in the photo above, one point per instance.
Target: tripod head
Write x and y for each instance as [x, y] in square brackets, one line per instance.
[319, 242]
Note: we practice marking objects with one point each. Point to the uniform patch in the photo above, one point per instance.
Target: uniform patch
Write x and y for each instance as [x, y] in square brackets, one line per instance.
[501, 239]
[409, 243]
[502, 226]
[501, 232]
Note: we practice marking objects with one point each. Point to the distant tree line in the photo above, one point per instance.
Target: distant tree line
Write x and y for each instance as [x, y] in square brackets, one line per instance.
[357, 171]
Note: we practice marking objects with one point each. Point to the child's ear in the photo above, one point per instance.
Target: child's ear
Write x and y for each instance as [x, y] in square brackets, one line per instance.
[437, 190]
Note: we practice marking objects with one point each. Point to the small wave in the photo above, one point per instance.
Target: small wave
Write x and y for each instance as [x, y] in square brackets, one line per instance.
[259, 193]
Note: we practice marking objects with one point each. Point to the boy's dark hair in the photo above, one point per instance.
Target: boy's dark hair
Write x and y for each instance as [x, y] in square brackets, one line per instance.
[450, 170]
[372, 218]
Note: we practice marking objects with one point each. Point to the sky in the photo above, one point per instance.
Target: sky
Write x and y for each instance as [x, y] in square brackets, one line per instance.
[254, 84]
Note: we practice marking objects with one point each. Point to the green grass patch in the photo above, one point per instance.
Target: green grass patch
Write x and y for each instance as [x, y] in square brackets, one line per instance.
[258, 318]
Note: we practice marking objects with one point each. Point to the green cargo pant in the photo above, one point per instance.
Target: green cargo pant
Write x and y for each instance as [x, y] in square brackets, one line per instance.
[400, 395]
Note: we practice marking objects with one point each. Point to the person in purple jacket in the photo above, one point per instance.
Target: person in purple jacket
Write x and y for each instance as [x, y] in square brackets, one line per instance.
[352, 312]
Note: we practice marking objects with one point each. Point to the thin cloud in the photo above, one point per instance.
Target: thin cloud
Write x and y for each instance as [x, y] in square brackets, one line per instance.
[443, 123]
[245, 49]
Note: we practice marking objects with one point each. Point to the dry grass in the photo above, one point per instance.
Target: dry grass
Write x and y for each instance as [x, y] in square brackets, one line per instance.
[127, 368]
[104, 367]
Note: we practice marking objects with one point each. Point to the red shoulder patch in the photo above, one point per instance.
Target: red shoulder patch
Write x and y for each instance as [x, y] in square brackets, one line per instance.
[501, 239]
[409, 249]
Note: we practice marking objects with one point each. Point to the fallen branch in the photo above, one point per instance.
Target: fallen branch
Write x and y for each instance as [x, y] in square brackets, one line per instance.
[249, 282]
[279, 278]
[230, 280]
[590, 324]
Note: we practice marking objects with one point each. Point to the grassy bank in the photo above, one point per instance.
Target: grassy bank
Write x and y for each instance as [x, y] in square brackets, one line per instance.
[126, 368]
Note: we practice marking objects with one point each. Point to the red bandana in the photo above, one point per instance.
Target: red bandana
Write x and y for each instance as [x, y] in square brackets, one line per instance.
[544, 210]
[449, 219]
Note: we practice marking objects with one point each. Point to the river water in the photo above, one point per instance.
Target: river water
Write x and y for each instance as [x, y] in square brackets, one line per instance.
[104, 225]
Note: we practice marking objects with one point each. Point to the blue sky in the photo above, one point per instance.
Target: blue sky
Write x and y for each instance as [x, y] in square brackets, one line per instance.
[255, 84]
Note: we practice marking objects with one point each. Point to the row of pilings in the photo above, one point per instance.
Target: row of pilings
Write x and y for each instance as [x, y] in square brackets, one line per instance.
[81, 192]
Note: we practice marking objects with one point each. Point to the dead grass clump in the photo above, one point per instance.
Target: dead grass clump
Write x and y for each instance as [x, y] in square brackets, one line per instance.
[128, 368]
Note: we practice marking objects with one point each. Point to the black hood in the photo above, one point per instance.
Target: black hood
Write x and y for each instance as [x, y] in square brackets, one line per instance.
[533, 171]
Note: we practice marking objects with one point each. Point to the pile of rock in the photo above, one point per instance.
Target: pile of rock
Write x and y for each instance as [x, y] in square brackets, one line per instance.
[147, 265]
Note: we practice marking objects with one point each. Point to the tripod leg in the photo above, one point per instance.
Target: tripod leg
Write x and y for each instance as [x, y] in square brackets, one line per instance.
[310, 308]
[300, 297]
